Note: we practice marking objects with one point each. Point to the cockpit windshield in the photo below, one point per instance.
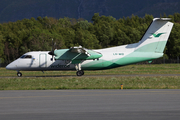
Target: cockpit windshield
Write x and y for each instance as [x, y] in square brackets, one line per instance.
[26, 57]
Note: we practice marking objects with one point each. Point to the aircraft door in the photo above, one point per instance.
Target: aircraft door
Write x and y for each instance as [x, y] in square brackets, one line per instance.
[42, 60]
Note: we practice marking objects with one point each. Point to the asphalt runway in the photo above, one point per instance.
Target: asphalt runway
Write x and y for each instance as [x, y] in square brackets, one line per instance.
[90, 104]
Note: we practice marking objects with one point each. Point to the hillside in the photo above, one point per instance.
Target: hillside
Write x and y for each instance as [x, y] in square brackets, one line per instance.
[11, 10]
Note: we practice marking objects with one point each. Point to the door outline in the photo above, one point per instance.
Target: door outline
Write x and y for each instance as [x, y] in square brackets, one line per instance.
[43, 63]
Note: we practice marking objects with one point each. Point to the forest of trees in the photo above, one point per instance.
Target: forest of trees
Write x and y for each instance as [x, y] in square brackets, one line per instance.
[17, 38]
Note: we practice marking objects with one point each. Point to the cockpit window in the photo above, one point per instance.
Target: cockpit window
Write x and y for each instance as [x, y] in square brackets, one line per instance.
[26, 56]
[23, 56]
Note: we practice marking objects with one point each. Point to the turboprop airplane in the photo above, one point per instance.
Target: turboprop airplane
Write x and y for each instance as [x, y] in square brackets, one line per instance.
[151, 46]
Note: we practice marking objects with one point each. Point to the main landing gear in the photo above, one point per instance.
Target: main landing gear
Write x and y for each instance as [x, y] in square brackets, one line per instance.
[19, 74]
[79, 71]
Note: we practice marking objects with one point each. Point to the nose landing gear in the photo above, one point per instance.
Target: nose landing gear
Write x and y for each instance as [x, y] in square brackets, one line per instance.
[19, 74]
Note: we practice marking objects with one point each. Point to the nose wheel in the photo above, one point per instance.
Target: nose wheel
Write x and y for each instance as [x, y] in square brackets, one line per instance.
[19, 74]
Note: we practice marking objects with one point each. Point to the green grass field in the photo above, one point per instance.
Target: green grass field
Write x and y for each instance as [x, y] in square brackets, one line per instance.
[48, 80]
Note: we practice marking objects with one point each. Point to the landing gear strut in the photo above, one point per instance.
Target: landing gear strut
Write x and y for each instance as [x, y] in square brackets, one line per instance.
[19, 74]
[79, 71]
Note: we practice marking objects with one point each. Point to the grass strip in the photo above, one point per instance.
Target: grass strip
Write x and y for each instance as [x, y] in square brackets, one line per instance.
[106, 82]
[48, 83]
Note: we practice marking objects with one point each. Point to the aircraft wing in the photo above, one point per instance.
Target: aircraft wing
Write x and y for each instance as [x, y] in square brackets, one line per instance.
[79, 50]
[76, 54]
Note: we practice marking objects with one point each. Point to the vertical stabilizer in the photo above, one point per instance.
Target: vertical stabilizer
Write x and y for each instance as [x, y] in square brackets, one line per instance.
[156, 36]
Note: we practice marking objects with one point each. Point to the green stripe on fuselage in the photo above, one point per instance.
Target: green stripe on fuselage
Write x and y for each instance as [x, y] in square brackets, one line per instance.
[132, 58]
[137, 56]
[153, 47]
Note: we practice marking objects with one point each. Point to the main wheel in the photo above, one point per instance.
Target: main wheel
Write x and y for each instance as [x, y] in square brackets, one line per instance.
[19, 74]
[80, 73]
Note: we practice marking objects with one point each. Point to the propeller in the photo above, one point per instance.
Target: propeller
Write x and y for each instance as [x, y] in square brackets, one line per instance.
[52, 50]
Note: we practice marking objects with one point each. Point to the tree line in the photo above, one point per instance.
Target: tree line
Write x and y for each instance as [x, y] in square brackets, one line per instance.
[17, 38]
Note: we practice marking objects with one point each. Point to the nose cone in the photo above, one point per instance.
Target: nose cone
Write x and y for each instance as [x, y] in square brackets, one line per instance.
[10, 66]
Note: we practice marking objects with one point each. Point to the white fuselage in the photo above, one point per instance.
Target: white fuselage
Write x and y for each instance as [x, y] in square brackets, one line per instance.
[42, 61]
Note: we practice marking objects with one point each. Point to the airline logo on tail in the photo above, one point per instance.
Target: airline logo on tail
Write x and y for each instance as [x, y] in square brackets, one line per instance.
[157, 35]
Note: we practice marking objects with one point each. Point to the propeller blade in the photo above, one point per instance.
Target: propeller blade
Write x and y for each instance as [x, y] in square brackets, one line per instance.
[52, 45]
[51, 53]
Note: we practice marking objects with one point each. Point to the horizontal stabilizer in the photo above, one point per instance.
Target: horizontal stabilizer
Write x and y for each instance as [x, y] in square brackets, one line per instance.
[162, 19]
